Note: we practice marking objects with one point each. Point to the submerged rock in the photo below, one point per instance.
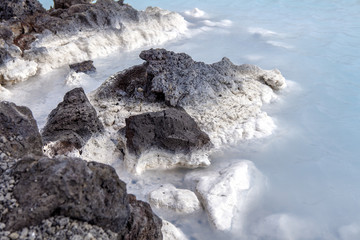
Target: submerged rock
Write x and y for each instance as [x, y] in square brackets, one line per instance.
[70, 187]
[84, 67]
[19, 134]
[178, 200]
[71, 124]
[172, 130]
[142, 224]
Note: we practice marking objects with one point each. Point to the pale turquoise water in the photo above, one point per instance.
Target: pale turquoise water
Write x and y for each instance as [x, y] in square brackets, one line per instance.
[312, 162]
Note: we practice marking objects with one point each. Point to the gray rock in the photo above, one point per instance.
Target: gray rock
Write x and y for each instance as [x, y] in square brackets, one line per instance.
[19, 128]
[171, 129]
[72, 122]
[69, 3]
[85, 67]
[4, 56]
[71, 187]
[142, 224]
[19, 8]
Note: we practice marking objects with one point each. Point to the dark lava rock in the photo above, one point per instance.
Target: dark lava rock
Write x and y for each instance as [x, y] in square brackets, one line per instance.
[68, 3]
[19, 134]
[142, 224]
[72, 122]
[4, 56]
[171, 129]
[19, 8]
[85, 67]
[70, 187]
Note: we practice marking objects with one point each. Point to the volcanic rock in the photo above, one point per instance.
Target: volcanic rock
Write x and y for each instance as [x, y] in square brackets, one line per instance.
[172, 130]
[142, 224]
[71, 187]
[19, 134]
[19, 8]
[85, 67]
[72, 122]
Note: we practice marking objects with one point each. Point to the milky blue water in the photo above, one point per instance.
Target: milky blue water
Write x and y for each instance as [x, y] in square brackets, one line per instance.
[312, 161]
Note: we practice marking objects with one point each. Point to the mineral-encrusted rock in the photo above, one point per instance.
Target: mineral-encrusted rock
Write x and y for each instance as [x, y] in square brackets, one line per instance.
[84, 67]
[71, 187]
[19, 8]
[228, 193]
[143, 224]
[71, 123]
[177, 200]
[224, 99]
[172, 130]
[19, 134]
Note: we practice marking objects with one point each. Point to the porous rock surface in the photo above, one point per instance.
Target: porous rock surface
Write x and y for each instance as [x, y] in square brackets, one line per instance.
[71, 124]
[85, 67]
[172, 129]
[19, 8]
[224, 99]
[177, 200]
[19, 134]
[87, 191]
[143, 224]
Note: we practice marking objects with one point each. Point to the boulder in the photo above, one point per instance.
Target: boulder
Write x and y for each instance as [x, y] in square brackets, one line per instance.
[171, 130]
[170, 232]
[19, 8]
[143, 224]
[168, 197]
[70, 187]
[4, 56]
[228, 193]
[19, 134]
[71, 123]
[84, 67]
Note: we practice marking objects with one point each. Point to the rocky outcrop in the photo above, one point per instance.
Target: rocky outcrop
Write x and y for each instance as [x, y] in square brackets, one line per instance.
[19, 8]
[142, 224]
[169, 197]
[224, 99]
[84, 67]
[19, 134]
[172, 130]
[71, 124]
[86, 191]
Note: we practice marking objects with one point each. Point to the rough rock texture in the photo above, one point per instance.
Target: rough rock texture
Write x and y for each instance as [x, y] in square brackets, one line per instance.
[4, 55]
[178, 200]
[69, 3]
[19, 134]
[19, 8]
[170, 232]
[142, 224]
[227, 193]
[172, 129]
[71, 123]
[86, 191]
[224, 99]
[85, 67]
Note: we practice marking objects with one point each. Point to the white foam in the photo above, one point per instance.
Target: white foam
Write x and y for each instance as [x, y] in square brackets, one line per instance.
[196, 13]
[262, 32]
[280, 44]
[4, 93]
[222, 23]
[18, 70]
